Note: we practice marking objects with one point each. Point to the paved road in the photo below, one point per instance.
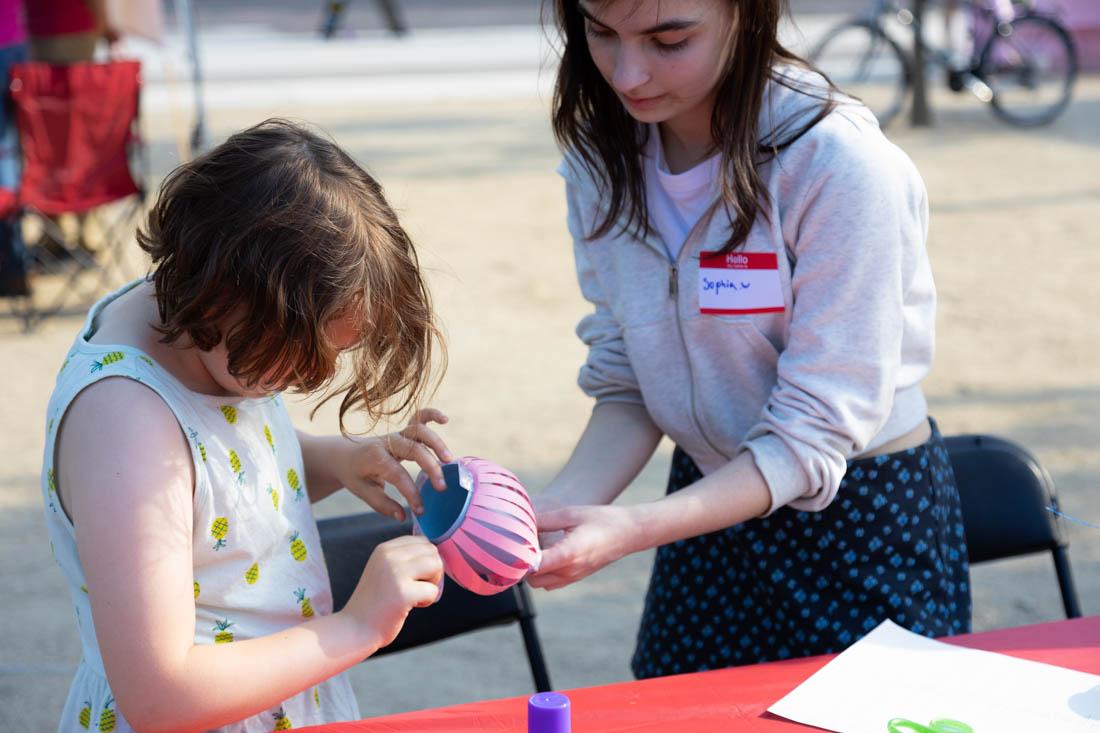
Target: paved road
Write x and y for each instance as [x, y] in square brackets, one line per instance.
[247, 64]
[365, 15]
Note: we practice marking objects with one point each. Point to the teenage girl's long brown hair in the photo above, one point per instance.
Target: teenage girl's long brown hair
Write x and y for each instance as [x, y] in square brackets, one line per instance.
[590, 120]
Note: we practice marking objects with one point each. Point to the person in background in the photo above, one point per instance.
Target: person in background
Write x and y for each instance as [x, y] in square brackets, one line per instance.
[67, 31]
[13, 50]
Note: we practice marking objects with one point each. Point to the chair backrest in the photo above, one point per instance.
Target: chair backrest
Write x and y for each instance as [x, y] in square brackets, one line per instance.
[348, 543]
[1005, 493]
[76, 123]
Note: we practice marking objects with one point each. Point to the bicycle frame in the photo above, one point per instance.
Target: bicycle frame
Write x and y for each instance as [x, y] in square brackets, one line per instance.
[989, 15]
[993, 24]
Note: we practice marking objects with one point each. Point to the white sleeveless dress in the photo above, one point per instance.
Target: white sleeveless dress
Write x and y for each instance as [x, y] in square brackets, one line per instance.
[257, 558]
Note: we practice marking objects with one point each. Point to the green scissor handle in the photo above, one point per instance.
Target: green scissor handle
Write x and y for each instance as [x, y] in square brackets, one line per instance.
[943, 725]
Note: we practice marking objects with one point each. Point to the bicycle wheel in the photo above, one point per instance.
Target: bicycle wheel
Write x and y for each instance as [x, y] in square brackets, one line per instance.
[867, 64]
[1031, 66]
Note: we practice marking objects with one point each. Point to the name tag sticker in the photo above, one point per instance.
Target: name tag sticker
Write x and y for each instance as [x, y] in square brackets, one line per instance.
[739, 283]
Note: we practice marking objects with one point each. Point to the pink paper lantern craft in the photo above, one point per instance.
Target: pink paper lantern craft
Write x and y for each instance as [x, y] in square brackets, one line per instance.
[483, 525]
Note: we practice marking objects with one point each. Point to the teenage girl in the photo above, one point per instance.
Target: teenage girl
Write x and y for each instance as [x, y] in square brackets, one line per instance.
[754, 251]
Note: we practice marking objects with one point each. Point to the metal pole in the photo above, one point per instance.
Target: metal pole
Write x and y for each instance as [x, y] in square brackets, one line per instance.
[185, 19]
[922, 114]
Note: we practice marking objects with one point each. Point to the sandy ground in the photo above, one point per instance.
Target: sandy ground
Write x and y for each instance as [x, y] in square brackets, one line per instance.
[1015, 247]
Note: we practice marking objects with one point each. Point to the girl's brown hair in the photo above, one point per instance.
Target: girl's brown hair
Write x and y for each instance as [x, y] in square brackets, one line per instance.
[278, 231]
[590, 120]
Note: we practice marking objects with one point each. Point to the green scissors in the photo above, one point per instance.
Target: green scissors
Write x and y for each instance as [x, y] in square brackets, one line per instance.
[943, 725]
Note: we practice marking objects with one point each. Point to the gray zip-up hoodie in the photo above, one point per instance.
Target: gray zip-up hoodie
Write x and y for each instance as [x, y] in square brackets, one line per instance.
[837, 372]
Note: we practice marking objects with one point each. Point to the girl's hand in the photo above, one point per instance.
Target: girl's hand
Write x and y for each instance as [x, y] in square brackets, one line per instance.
[590, 538]
[366, 465]
[544, 503]
[402, 574]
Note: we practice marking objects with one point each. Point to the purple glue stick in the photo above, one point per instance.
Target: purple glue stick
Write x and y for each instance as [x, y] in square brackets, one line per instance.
[548, 712]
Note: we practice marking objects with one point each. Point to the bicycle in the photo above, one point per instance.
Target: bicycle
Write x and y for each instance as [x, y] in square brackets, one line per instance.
[1021, 61]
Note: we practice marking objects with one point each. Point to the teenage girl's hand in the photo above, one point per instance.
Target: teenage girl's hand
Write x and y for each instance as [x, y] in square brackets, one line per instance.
[366, 465]
[592, 537]
[545, 503]
[402, 574]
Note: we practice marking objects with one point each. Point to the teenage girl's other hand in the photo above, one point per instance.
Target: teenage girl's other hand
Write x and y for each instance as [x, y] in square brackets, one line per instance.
[402, 574]
[366, 465]
[591, 537]
[545, 503]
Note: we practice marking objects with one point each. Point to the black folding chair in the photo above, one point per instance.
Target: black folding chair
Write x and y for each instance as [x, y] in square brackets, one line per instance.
[348, 543]
[1005, 494]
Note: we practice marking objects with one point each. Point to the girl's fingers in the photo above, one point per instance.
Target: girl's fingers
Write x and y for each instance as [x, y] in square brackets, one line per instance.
[411, 543]
[430, 414]
[536, 581]
[555, 558]
[433, 566]
[423, 434]
[396, 475]
[405, 449]
[556, 519]
[424, 594]
[549, 539]
[548, 582]
[421, 565]
[375, 496]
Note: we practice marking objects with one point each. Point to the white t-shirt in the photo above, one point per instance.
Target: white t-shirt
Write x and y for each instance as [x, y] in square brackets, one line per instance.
[676, 201]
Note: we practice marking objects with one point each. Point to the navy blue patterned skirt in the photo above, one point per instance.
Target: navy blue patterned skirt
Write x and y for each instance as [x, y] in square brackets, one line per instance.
[794, 584]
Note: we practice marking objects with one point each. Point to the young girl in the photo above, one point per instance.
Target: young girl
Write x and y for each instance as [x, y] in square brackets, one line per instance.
[177, 490]
[753, 248]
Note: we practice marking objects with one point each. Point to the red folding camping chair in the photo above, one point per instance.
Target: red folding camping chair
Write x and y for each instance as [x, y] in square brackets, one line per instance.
[81, 148]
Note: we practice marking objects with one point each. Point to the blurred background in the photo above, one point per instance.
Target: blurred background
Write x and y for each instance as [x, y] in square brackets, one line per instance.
[447, 104]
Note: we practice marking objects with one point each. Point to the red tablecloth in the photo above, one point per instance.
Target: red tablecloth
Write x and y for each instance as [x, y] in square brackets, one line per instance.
[722, 701]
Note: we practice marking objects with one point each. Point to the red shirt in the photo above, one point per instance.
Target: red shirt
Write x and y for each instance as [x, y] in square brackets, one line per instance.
[58, 17]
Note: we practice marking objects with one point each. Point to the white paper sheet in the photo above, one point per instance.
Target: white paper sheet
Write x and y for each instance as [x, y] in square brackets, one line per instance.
[894, 673]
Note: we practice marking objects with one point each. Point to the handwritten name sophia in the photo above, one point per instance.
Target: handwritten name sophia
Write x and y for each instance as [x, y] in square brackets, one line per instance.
[717, 286]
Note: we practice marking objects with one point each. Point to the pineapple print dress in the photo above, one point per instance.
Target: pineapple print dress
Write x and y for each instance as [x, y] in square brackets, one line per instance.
[257, 559]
